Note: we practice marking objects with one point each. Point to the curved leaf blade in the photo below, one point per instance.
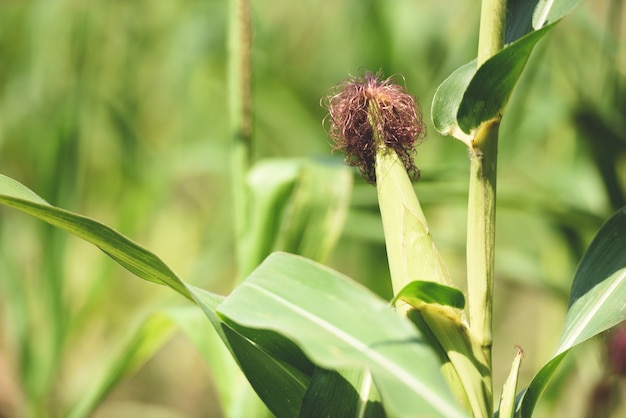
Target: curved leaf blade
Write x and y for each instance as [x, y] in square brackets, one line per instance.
[549, 11]
[524, 16]
[339, 324]
[423, 291]
[507, 399]
[447, 100]
[123, 250]
[472, 96]
[237, 397]
[597, 301]
[603, 307]
[279, 384]
[267, 359]
[297, 206]
[317, 210]
[148, 266]
[343, 393]
[489, 90]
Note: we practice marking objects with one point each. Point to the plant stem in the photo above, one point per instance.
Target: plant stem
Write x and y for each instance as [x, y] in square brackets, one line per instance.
[482, 193]
[240, 107]
[481, 217]
[492, 27]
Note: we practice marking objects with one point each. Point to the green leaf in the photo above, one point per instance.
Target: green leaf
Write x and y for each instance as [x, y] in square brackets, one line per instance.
[550, 11]
[420, 291]
[267, 359]
[344, 393]
[317, 210]
[148, 266]
[447, 100]
[297, 206]
[237, 398]
[339, 324]
[280, 384]
[124, 251]
[507, 400]
[472, 96]
[270, 184]
[596, 301]
[525, 16]
[489, 90]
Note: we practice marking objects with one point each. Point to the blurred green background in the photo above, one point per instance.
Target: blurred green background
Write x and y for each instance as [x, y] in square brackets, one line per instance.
[118, 110]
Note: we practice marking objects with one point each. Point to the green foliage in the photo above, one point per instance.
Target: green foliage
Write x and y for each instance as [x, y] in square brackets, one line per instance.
[309, 311]
[128, 254]
[596, 300]
[117, 110]
[286, 198]
[419, 291]
[341, 325]
[471, 96]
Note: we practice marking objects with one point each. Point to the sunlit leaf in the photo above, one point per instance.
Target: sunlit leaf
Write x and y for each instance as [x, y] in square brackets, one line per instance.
[297, 206]
[270, 184]
[471, 96]
[314, 217]
[278, 361]
[491, 86]
[420, 291]
[507, 399]
[549, 11]
[127, 253]
[447, 100]
[597, 301]
[339, 324]
[524, 16]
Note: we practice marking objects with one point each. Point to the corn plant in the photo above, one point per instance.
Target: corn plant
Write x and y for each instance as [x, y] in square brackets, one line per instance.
[312, 342]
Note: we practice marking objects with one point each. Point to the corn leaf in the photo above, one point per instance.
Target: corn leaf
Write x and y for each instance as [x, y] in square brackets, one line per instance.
[278, 362]
[597, 301]
[471, 96]
[338, 324]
